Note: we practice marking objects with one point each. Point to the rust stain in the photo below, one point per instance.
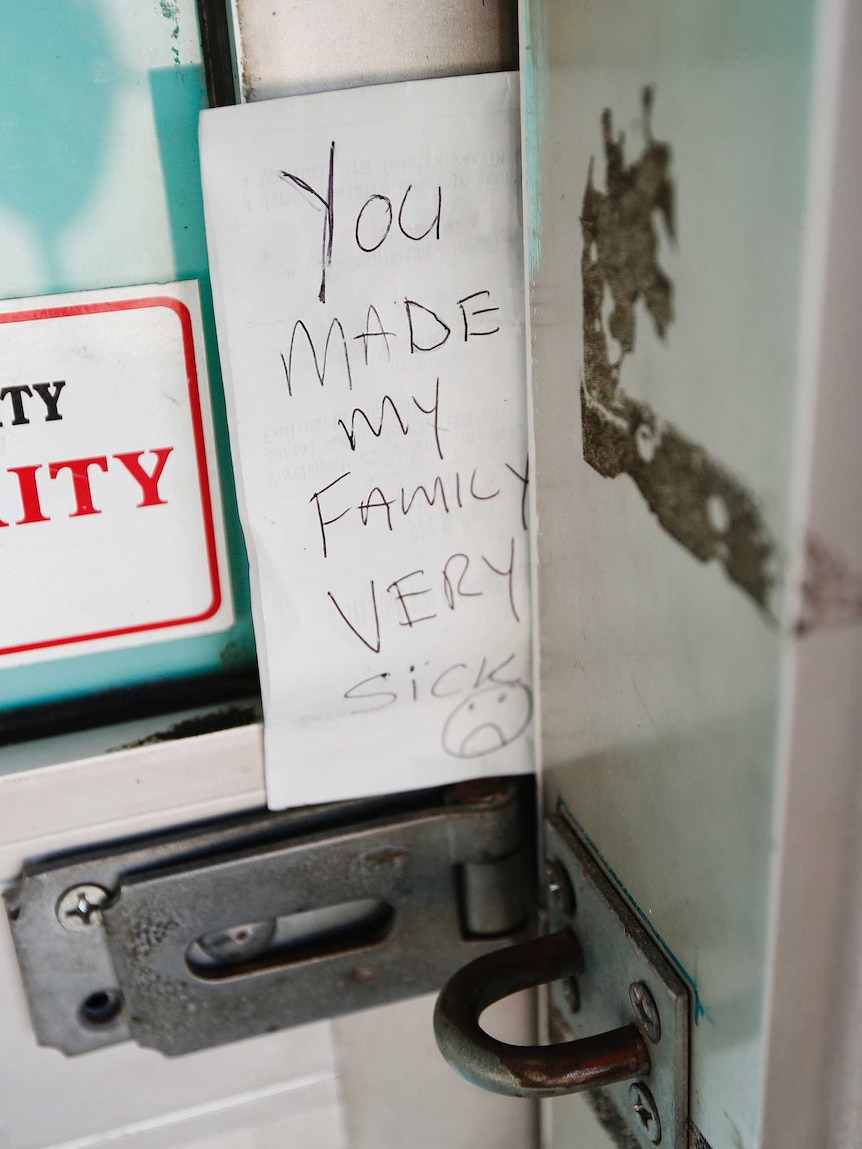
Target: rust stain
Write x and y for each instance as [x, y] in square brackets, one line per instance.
[695, 499]
[146, 935]
[601, 1059]
[387, 856]
[831, 590]
[482, 791]
[362, 975]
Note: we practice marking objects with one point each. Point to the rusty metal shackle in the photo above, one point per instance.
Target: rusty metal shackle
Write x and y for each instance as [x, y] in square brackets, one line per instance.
[528, 1070]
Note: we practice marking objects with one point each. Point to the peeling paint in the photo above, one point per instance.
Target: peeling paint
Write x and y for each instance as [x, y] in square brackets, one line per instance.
[209, 723]
[170, 9]
[695, 499]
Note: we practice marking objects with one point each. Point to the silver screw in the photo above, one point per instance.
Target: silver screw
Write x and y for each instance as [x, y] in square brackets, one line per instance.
[80, 907]
[645, 1110]
[561, 894]
[646, 1010]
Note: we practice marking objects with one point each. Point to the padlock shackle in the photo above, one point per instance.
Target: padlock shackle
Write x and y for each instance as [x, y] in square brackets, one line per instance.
[528, 1070]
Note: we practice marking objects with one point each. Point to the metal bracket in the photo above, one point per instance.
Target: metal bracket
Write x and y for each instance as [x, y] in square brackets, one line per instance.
[618, 1008]
[626, 979]
[200, 937]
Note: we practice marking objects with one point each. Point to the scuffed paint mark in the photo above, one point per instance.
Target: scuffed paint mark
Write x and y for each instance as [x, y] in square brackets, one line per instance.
[615, 1124]
[171, 11]
[695, 499]
[738, 1143]
[234, 654]
[696, 1139]
[535, 104]
[831, 592]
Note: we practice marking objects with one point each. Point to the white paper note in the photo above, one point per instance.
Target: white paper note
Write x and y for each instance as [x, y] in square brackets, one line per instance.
[366, 252]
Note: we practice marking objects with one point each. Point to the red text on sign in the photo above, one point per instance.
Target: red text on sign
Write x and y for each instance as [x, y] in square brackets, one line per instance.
[76, 477]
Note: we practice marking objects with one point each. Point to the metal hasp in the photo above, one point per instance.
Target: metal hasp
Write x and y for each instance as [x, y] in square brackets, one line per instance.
[617, 1005]
[227, 930]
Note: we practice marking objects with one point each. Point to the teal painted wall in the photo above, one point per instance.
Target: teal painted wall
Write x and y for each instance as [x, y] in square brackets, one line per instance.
[100, 187]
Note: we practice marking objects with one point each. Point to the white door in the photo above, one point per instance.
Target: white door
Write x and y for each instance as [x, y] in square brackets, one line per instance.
[692, 175]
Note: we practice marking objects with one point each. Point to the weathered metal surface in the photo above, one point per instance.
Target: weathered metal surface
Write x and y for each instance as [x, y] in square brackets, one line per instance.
[535, 1070]
[287, 48]
[623, 968]
[694, 497]
[620, 1010]
[364, 897]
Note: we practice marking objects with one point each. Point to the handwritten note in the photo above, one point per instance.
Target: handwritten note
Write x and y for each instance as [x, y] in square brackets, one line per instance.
[367, 265]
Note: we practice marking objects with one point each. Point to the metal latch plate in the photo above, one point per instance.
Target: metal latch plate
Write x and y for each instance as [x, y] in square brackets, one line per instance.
[446, 869]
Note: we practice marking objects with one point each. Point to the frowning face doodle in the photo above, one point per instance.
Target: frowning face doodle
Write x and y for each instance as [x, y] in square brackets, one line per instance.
[488, 720]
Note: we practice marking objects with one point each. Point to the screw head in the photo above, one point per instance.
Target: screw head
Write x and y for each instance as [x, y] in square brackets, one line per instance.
[561, 893]
[645, 1010]
[645, 1111]
[81, 907]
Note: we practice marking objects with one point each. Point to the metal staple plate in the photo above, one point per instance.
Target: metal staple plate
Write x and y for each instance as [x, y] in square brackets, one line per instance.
[620, 962]
[419, 856]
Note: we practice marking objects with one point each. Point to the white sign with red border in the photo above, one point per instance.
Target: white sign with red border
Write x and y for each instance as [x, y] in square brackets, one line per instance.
[111, 529]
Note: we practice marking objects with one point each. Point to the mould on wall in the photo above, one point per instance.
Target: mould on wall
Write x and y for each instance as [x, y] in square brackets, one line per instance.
[693, 497]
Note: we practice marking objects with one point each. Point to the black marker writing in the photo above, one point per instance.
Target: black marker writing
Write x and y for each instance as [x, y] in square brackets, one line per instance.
[328, 218]
[509, 575]
[409, 306]
[435, 222]
[374, 647]
[525, 479]
[371, 200]
[378, 334]
[437, 488]
[356, 693]
[468, 330]
[320, 371]
[450, 589]
[378, 431]
[435, 411]
[382, 503]
[443, 494]
[403, 597]
[475, 493]
[324, 523]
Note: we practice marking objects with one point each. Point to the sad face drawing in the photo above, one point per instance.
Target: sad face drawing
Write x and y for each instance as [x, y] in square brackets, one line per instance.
[488, 720]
